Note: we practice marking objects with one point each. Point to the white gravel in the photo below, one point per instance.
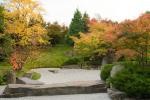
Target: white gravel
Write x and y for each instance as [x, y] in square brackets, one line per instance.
[99, 96]
[2, 88]
[66, 75]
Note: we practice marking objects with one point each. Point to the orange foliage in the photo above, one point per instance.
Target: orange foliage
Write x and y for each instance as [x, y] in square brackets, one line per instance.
[126, 53]
[16, 65]
[99, 39]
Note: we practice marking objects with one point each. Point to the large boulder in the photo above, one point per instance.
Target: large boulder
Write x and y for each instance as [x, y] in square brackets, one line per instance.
[11, 77]
[116, 69]
[109, 58]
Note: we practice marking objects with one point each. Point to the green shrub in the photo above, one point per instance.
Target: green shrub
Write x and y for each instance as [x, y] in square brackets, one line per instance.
[143, 71]
[3, 78]
[105, 71]
[35, 76]
[134, 67]
[132, 83]
[73, 60]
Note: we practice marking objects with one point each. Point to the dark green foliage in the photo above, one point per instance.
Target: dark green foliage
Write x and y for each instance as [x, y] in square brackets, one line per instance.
[78, 24]
[3, 77]
[134, 80]
[133, 84]
[147, 12]
[135, 67]
[105, 71]
[56, 32]
[72, 60]
[85, 20]
[95, 60]
[5, 46]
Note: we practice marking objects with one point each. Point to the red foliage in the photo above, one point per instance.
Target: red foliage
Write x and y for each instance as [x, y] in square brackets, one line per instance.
[93, 21]
[16, 65]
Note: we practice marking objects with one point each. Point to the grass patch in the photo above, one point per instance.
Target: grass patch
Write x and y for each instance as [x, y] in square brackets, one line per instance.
[35, 76]
[50, 57]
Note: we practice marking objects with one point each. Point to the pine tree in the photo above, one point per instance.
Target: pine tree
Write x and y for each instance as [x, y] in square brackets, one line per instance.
[76, 25]
[85, 20]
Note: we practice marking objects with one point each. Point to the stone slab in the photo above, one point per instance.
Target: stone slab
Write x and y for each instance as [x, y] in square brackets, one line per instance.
[80, 87]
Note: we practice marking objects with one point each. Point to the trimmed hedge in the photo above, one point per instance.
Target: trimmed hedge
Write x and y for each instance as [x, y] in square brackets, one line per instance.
[134, 83]
[105, 71]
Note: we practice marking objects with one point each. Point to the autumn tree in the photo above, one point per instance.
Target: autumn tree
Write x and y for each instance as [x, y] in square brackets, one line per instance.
[18, 15]
[97, 43]
[135, 36]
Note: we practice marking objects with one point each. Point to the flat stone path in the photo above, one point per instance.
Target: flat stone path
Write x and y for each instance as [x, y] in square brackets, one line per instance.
[66, 75]
[98, 96]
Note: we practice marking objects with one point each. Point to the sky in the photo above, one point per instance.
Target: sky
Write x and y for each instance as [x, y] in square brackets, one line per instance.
[116, 10]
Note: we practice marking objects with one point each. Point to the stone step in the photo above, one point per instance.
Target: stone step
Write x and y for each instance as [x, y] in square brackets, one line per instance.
[81, 87]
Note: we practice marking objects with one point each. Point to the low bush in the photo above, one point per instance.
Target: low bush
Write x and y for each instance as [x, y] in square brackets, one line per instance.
[133, 83]
[72, 60]
[35, 76]
[105, 71]
[3, 78]
[134, 67]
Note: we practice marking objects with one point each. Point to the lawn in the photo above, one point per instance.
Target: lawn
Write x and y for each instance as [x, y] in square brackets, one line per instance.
[50, 57]
[4, 66]
[45, 58]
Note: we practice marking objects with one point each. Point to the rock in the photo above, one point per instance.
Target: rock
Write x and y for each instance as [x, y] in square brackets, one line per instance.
[28, 74]
[53, 71]
[116, 69]
[81, 87]
[11, 77]
[25, 80]
[109, 58]
[115, 94]
[104, 61]
[2, 88]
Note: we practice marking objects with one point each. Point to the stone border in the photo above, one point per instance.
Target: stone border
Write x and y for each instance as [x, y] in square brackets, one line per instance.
[81, 87]
[119, 95]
